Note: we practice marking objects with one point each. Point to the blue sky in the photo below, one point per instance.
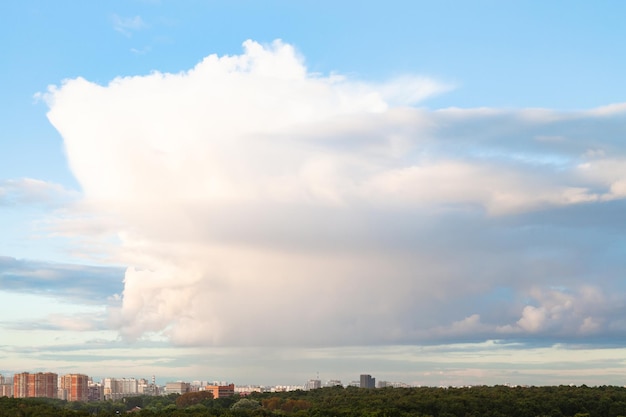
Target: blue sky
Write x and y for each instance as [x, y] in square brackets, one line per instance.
[430, 192]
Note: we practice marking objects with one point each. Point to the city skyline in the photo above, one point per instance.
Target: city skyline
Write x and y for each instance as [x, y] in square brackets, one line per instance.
[316, 382]
[430, 192]
[85, 388]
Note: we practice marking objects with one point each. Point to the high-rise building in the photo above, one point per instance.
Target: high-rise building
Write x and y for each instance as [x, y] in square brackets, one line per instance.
[6, 390]
[95, 392]
[74, 387]
[26, 385]
[6, 386]
[366, 381]
[116, 389]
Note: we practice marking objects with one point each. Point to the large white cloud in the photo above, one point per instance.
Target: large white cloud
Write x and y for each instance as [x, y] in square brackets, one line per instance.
[260, 204]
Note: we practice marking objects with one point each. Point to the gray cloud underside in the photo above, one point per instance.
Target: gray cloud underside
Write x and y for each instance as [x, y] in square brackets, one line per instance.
[72, 283]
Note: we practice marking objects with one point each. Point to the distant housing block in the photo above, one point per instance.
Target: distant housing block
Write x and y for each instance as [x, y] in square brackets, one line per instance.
[74, 387]
[366, 381]
[116, 389]
[39, 385]
[220, 391]
[177, 387]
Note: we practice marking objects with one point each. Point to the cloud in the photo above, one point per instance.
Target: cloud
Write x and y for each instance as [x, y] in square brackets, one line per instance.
[34, 192]
[76, 283]
[127, 25]
[59, 322]
[568, 314]
[259, 204]
[141, 51]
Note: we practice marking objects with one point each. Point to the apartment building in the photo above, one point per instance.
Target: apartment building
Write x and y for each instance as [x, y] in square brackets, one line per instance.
[116, 389]
[178, 387]
[74, 387]
[220, 391]
[366, 381]
[27, 385]
[6, 386]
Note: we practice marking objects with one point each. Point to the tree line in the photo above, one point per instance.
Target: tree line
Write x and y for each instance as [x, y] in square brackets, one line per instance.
[483, 401]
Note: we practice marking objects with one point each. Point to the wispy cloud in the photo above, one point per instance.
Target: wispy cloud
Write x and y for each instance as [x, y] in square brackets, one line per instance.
[128, 25]
[78, 322]
[34, 192]
[141, 51]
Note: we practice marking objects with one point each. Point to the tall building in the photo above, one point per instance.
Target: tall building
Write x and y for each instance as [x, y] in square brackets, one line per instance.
[220, 391]
[6, 390]
[6, 386]
[74, 387]
[116, 389]
[95, 391]
[366, 381]
[26, 385]
[312, 384]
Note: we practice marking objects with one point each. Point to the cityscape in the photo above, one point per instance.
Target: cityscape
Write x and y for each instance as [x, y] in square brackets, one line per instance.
[238, 198]
[218, 208]
[80, 387]
[47, 394]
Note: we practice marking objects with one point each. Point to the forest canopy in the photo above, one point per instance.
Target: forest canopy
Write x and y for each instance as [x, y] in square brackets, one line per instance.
[482, 401]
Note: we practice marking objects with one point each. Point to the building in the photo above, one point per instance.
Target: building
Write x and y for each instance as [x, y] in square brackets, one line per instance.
[116, 389]
[366, 381]
[6, 390]
[220, 391]
[95, 391]
[177, 387]
[39, 385]
[312, 384]
[144, 387]
[244, 390]
[6, 386]
[74, 387]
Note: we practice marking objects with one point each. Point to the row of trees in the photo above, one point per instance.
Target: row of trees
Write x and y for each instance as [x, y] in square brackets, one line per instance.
[499, 401]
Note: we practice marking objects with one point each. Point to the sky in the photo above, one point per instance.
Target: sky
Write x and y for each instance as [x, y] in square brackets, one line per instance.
[262, 192]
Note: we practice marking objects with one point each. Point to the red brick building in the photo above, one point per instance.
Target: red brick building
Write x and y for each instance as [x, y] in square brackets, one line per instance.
[26, 385]
[75, 387]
